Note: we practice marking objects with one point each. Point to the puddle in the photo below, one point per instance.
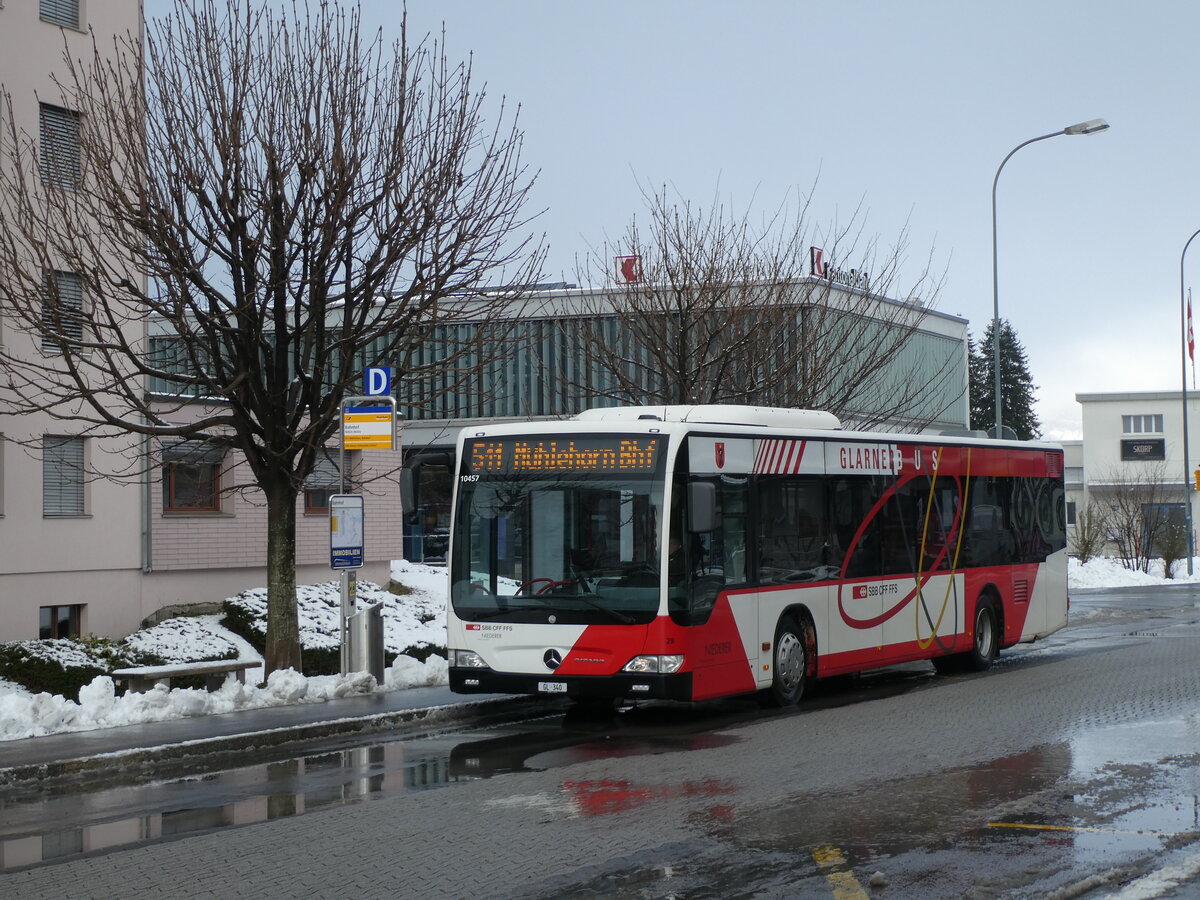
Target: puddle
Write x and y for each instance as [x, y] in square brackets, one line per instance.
[1104, 798]
[186, 807]
[55, 825]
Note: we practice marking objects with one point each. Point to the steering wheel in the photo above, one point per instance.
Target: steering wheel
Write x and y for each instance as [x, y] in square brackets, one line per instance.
[477, 588]
[550, 583]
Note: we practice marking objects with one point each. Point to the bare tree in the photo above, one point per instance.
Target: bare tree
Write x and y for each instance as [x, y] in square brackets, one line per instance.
[1091, 531]
[723, 311]
[281, 199]
[1172, 544]
[1138, 523]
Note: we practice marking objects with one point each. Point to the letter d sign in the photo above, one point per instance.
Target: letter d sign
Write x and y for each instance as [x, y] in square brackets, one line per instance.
[377, 381]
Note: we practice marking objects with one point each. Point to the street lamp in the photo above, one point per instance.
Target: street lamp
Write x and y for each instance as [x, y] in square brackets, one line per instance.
[1092, 126]
[1183, 354]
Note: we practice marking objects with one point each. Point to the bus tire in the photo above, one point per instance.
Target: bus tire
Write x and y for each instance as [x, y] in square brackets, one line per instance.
[947, 665]
[986, 643]
[790, 664]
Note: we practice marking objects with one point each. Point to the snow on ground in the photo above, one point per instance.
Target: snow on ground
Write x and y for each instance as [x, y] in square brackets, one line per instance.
[1104, 573]
[414, 619]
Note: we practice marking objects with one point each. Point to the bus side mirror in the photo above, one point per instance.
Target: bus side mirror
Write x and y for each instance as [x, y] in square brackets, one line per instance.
[407, 493]
[702, 506]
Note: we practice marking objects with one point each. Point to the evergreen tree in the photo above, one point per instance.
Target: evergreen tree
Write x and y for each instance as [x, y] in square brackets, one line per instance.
[980, 394]
[1016, 385]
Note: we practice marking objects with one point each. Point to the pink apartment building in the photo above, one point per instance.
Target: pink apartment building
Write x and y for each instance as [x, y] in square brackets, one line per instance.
[93, 555]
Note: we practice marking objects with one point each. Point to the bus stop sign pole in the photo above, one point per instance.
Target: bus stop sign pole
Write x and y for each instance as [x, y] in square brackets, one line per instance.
[367, 423]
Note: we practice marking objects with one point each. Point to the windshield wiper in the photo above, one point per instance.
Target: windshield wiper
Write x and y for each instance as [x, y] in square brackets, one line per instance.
[588, 601]
[483, 615]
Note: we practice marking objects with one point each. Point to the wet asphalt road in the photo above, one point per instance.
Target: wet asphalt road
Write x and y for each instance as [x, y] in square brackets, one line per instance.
[1072, 769]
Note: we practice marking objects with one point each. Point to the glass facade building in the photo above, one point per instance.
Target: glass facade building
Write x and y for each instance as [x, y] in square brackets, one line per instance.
[558, 357]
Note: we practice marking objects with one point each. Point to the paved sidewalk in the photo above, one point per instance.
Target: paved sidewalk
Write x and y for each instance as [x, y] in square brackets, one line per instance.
[182, 740]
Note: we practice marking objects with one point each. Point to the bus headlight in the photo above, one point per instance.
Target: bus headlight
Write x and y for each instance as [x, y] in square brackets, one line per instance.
[657, 665]
[467, 659]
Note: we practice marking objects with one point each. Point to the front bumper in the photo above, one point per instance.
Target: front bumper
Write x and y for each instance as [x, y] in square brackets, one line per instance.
[578, 687]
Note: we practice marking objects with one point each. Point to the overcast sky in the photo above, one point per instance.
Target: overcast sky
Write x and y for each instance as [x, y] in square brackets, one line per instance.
[907, 107]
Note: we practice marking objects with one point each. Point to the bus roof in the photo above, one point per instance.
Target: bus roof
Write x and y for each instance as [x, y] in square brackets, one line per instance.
[721, 417]
[716, 414]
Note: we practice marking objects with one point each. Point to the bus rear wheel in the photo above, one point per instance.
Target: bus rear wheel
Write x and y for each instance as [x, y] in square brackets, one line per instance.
[790, 664]
[987, 638]
[985, 643]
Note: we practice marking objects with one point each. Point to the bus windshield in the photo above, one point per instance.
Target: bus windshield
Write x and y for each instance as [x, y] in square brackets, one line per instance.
[571, 536]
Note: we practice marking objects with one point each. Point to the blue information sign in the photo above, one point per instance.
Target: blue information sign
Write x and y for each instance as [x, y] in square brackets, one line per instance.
[346, 531]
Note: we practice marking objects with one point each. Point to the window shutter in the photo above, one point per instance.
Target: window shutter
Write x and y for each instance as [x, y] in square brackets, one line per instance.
[192, 453]
[62, 476]
[59, 153]
[62, 312]
[325, 473]
[60, 12]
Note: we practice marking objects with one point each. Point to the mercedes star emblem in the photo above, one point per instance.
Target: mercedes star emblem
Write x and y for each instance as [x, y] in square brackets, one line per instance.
[552, 659]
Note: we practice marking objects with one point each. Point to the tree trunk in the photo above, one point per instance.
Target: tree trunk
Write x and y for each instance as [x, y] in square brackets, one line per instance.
[283, 620]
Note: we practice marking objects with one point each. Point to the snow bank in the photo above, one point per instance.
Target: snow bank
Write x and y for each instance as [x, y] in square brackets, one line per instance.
[23, 714]
[416, 618]
[1106, 573]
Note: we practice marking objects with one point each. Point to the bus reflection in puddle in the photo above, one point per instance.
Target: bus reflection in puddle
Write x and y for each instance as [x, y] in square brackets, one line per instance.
[589, 736]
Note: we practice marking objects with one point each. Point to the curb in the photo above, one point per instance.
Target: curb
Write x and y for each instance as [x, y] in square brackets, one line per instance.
[268, 745]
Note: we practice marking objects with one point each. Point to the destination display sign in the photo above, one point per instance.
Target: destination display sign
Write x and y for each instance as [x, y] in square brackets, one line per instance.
[583, 454]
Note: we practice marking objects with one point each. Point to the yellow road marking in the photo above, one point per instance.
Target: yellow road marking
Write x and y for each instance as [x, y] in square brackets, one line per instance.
[845, 886]
[1083, 828]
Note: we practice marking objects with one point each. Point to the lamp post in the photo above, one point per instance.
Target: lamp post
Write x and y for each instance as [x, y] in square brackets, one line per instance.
[1092, 126]
[1183, 354]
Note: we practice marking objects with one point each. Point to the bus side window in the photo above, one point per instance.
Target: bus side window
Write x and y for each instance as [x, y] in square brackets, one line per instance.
[989, 537]
[793, 532]
[853, 497]
[1057, 514]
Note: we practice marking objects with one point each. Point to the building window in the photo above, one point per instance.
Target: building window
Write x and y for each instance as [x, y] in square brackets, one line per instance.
[62, 310]
[1070, 512]
[62, 476]
[60, 621]
[322, 483]
[59, 156]
[192, 476]
[1148, 424]
[60, 12]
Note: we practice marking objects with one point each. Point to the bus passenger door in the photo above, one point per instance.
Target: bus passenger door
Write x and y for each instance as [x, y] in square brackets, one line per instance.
[712, 585]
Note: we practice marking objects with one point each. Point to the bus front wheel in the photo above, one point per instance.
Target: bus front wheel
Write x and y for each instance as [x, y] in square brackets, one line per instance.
[790, 662]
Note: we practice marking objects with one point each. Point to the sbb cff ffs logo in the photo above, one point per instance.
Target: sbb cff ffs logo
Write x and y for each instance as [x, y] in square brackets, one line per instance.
[863, 591]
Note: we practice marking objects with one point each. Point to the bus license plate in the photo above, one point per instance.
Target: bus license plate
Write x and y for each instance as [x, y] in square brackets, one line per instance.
[552, 687]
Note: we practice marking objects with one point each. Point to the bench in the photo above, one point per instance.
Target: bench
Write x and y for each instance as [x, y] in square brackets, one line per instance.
[143, 678]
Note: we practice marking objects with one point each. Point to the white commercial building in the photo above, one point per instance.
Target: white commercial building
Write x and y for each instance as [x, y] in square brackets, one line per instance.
[1136, 441]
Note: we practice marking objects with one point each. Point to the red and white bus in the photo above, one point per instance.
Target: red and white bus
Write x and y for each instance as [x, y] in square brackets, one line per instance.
[705, 551]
